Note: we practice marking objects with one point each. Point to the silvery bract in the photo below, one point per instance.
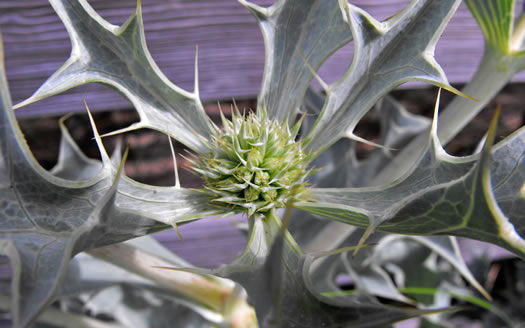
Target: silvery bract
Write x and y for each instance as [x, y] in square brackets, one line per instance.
[296, 152]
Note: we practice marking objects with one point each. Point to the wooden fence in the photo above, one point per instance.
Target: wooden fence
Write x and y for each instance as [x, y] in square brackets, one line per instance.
[231, 50]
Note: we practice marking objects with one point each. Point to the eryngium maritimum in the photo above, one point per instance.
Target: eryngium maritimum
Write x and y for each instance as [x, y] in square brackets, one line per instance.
[253, 164]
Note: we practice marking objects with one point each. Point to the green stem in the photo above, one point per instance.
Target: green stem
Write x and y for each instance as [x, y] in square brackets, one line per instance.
[213, 293]
[494, 72]
[274, 225]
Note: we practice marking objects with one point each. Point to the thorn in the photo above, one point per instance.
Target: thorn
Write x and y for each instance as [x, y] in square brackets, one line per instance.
[237, 108]
[176, 228]
[102, 150]
[352, 136]
[196, 87]
[457, 92]
[64, 118]
[258, 9]
[314, 73]
[23, 103]
[436, 114]
[175, 168]
[493, 127]
[361, 242]
[139, 8]
[122, 163]
[297, 126]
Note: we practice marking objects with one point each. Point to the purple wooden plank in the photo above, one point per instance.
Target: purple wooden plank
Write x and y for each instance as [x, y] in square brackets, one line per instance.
[230, 47]
[208, 242]
[231, 50]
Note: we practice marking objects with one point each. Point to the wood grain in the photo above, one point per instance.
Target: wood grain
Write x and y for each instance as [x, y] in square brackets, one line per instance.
[231, 50]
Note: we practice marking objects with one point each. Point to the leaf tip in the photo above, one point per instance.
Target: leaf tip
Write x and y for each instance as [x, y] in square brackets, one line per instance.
[102, 150]
[121, 165]
[313, 72]
[436, 114]
[361, 242]
[457, 92]
[26, 102]
[253, 7]
[139, 8]
[492, 130]
[176, 228]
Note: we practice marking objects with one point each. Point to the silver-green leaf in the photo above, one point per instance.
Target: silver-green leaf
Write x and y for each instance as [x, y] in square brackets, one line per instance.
[118, 57]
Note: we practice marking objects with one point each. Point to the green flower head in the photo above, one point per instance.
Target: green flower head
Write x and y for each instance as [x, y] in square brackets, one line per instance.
[253, 164]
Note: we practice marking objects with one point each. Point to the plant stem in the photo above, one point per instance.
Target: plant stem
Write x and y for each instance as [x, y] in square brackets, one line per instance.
[494, 71]
[214, 293]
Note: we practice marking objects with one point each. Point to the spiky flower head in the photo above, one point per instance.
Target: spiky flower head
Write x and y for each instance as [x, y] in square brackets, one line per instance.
[253, 164]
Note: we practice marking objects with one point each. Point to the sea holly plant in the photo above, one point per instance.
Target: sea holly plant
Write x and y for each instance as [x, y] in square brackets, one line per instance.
[290, 167]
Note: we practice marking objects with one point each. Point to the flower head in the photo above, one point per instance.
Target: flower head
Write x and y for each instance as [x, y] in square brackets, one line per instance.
[253, 164]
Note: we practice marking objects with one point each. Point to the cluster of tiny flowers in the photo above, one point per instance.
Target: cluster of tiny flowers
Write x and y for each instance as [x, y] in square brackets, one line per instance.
[253, 164]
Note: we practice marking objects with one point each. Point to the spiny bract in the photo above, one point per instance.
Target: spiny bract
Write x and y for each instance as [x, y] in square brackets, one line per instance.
[253, 164]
